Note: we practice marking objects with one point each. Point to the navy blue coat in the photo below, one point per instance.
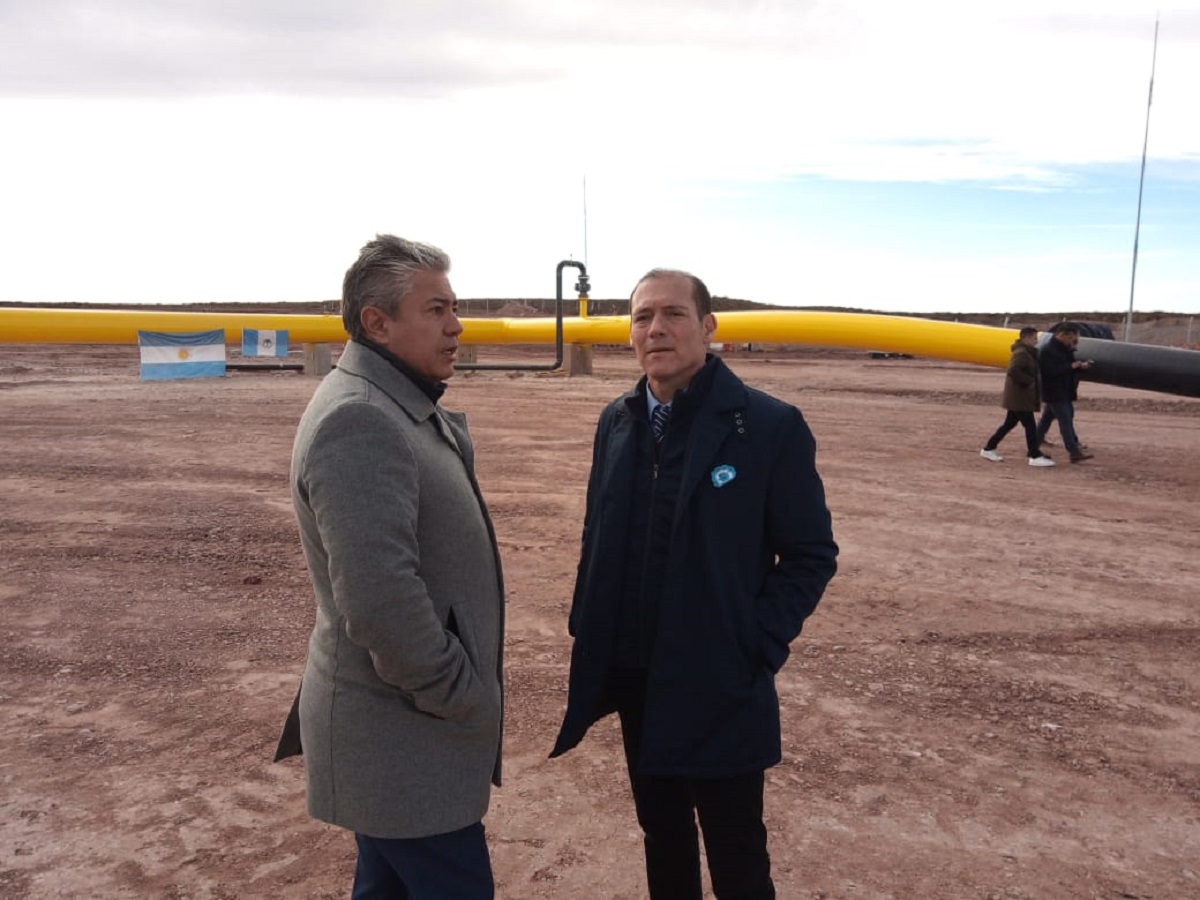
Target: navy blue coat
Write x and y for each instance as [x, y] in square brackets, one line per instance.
[750, 552]
[1060, 380]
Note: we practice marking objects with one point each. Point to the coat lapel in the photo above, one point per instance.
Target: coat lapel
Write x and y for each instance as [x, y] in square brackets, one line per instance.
[712, 426]
[399, 388]
[452, 427]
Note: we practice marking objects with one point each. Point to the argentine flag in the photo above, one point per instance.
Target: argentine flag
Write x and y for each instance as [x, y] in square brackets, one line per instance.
[195, 354]
[264, 343]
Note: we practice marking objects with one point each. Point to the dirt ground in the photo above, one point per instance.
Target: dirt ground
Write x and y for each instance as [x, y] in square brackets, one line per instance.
[998, 697]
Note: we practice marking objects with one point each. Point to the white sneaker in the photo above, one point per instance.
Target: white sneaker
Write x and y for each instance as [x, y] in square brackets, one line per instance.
[992, 455]
[1040, 461]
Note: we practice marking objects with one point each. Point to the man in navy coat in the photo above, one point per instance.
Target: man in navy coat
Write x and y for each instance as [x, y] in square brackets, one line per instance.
[706, 544]
[1060, 385]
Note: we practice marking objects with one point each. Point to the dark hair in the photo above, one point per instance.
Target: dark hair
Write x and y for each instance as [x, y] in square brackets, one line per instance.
[700, 294]
[383, 274]
[1027, 331]
[1065, 328]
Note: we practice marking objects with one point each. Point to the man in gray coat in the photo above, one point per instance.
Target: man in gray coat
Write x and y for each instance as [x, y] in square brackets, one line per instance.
[400, 708]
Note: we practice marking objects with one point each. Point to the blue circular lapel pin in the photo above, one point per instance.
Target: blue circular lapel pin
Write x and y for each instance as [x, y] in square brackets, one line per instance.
[722, 475]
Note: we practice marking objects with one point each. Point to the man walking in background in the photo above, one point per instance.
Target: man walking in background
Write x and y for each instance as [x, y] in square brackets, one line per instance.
[1022, 398]
[400, 705]
[706, 544]
[1060, 384]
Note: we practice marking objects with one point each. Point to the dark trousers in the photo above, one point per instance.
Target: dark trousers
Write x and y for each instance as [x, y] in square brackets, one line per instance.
[1025, 419]
[453, 866]
[730, 812]
[1064, 412]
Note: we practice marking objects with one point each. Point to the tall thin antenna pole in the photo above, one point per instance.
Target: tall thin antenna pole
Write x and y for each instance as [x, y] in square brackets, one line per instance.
[1137, 228]
[585, 256]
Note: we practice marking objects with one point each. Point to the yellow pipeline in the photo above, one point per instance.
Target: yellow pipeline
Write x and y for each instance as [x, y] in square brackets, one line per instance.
[979, 344]
[120, 326]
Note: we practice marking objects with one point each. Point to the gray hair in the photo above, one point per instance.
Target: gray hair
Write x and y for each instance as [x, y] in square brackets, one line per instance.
[383, 274]
[700, 294]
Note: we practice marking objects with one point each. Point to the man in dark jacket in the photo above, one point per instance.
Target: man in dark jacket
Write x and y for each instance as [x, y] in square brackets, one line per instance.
[1060, 379]
[1022, 398]
[706, 544]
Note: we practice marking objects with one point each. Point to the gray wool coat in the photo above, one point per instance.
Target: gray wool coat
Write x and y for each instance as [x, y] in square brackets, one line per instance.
[401, 702]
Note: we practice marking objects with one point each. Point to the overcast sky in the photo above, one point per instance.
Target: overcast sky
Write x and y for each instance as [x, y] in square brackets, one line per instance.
[935, 155]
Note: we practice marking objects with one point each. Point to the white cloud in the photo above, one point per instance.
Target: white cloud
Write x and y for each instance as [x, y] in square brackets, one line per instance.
[244, 150]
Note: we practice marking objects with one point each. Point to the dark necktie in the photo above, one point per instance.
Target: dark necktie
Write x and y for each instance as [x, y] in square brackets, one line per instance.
[658, 421]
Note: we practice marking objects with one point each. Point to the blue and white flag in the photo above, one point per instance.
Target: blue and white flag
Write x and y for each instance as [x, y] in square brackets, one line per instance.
[264, 343]
[195, 354]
